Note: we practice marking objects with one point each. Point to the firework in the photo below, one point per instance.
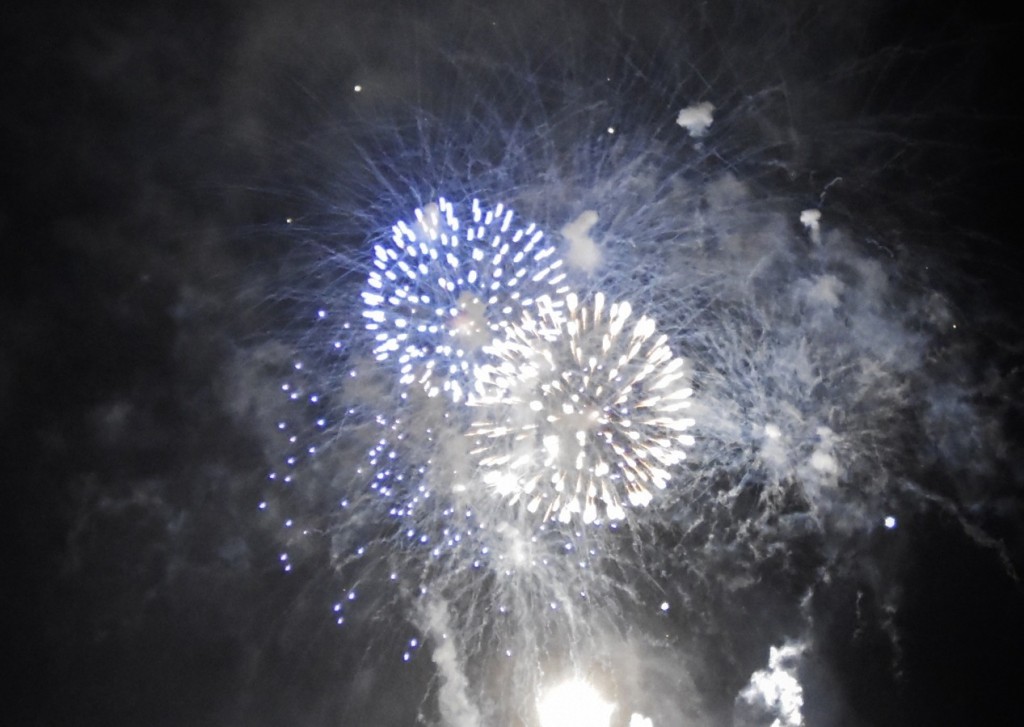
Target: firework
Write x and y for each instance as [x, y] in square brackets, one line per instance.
[580, 414]
[437, 292]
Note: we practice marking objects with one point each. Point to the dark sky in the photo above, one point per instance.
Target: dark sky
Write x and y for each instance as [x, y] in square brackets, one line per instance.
[148, 287]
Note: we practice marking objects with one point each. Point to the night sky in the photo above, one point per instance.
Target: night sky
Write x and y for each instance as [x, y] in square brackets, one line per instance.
[153, 295]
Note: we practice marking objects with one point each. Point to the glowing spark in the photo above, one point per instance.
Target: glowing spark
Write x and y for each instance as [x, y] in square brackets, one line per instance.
[580, 413]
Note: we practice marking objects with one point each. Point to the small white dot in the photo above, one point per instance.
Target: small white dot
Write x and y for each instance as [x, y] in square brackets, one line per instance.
[890, 522]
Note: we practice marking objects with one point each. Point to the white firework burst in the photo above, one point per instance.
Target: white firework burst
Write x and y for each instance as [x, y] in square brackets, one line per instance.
[437, 292]
[579, 414]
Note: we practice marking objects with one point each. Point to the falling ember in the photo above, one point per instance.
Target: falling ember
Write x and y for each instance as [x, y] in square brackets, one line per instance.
[580, 414]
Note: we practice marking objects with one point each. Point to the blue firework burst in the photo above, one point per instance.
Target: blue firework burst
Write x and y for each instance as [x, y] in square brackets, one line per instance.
[441, 285]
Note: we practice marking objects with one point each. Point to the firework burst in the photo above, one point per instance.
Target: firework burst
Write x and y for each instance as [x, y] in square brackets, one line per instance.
[580, 414]
[437, 292]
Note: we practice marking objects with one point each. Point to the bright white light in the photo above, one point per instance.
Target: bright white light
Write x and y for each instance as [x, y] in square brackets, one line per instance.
[890, 522]
[574, 703]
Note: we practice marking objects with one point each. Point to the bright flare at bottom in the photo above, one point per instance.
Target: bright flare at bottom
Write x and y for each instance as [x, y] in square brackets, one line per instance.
[574, 703]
